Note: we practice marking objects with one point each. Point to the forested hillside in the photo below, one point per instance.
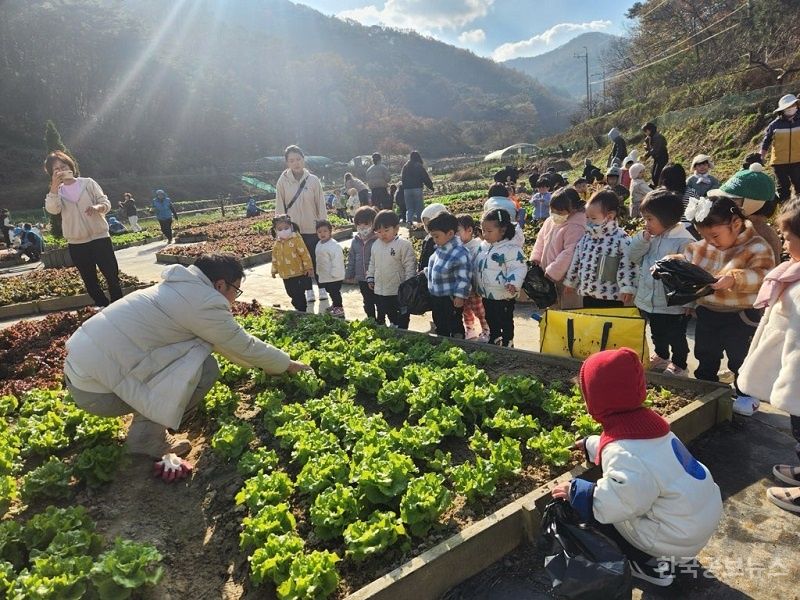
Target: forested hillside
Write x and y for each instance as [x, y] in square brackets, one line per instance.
[146, 86]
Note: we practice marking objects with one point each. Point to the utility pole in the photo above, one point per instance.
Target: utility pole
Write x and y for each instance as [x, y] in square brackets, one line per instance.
[585, 57]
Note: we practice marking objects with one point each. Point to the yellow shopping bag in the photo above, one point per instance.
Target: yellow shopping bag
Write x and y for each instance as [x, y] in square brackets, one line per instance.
[582, 332]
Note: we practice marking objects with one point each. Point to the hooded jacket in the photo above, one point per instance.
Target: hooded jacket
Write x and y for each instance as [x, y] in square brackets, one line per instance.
[619, 149]
[310, 204]
[497, 265]
[555, 245]
[149, 347]
[650, 294]
[655, 145]
[78, 227]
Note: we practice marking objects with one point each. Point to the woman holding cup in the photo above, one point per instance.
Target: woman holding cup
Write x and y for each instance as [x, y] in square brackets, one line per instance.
[82, 205]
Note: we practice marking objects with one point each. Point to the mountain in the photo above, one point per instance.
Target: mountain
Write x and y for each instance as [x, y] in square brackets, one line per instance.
[560, 69]
[145, 87]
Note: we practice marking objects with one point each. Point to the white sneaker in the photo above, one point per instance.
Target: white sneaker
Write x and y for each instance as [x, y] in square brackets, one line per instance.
[745, 406]
[657, 363]
[323, 295]
[675, 371]
[483, 336]
[310, 296]
[726, 376]
[657, 572]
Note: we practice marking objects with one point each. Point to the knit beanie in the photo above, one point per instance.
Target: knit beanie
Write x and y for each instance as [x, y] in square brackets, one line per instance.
[636, 170]
[752, 185]
[614, 389]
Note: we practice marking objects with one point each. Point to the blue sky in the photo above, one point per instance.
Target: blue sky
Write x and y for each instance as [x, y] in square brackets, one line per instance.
[499, 29]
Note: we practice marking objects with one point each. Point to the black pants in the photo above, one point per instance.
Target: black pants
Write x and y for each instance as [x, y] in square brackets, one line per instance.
[591, 302]
[658, 166]
[311, 241]
[369, 299]
[401, 206]
[669, 331]
[718, 332]
[381, 199]
[389, 307]
[97, 254]
[166, 228]
[294, 287]
[629, 550]
[363, 197]
[500, 316]
[334, 289]
[795, 422]
[448, 319]
[787, 176]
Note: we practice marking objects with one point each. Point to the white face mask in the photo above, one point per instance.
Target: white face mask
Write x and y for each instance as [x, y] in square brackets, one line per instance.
[559, 219]
[364, 231]
[284, 234]
[790, 112]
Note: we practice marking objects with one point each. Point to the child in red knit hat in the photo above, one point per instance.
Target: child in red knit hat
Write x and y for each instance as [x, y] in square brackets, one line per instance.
[654, 499]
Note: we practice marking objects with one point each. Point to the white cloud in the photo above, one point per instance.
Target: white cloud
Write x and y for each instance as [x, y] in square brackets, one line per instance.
[546, 40]
[474, 36]
[421, 15]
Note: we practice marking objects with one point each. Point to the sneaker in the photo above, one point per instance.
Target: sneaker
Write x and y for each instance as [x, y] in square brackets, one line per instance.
[337, 311]
[675, 370]
[483, 336]
[470, 334]
[745, 406]
[323, 295]
[657, 363]
[727, 376]
[786, 498]
[787, 474]
[655, 571]
[310, 296]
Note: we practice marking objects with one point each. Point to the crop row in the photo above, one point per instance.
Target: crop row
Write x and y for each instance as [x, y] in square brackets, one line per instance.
[47, 283]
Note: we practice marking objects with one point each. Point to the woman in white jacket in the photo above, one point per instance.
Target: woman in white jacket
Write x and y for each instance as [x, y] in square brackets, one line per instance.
[654, 499]
[150, 353]
[82, 205]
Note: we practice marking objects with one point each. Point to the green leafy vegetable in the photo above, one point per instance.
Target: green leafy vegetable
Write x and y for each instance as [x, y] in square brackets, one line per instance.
[423, 503]
[271, 561]
[365, 539]
[231, 439]
[262, 490]
[553, 446]
[312, 576]
[98, 465]
[261, 460]
[272, 519]
[49, 480]
[382, 477]
[333, 509]
[126, 567]
[475, 480]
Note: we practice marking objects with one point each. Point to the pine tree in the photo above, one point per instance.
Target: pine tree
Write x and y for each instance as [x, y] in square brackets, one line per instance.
[52, 142]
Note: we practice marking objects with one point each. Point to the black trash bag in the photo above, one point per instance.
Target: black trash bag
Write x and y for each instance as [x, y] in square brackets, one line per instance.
[413, 296]
[583, 563]
[539, 288]
[683, 281]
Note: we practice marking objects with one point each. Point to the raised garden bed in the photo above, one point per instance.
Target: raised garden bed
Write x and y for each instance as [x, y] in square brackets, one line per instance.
[253, 249]
[41, 291]
[464, 536]
[57, 258]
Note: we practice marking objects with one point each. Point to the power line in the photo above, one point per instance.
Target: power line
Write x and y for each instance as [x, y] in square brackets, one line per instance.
[654, 9]
[650, 64]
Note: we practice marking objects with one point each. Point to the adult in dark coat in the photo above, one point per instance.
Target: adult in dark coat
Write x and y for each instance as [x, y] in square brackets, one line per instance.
[503, 175]
[655, 146]
[619, 149]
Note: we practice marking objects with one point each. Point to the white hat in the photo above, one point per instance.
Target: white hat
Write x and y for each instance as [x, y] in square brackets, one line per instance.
[701, 158]
[433, 210]
[632, 157]
[636, 170]
[787, 101]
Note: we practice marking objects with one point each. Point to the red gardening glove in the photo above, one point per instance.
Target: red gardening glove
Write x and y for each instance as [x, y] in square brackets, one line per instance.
[171, 468]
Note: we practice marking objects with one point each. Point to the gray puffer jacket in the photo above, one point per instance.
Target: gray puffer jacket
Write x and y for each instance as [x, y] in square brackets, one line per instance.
[650, 294]
[358, 257]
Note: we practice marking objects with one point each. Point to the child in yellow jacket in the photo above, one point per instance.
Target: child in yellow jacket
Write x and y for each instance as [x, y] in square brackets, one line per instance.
[291, 260]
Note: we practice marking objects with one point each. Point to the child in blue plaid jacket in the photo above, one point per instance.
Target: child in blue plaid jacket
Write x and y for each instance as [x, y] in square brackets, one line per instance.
[449, 276]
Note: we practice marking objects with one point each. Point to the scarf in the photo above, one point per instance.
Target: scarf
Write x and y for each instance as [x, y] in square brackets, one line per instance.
[776, 282]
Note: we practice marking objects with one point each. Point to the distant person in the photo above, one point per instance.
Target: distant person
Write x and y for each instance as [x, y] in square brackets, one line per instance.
[590, 172]
[619, 148]
[655, 146]
[638, 188]
[673, 178]
[627, 163]
[353, 202]
[130, 211]
[507, 173]
[413, 177]
[400, 202]
[540, 202]
[700, 182]
[378, 178]
[82, 205]
[6, 226]
[361, 188]
[533, 178]
[555, 178]
[115, 226]
[299, 195]
[30, 243]
[783, 135]
[151, 353]
[612, 183]
[165, 212]
[253, 210]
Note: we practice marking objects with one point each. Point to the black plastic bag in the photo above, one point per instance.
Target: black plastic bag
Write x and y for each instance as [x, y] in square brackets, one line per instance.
[413, 296]
[539, 288]
[683, 281]
[584, 563]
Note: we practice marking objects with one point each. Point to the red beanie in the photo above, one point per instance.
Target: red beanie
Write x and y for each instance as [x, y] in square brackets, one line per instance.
[614, 389]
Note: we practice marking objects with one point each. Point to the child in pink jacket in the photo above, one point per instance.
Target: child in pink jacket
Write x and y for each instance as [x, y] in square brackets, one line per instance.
[557, 240]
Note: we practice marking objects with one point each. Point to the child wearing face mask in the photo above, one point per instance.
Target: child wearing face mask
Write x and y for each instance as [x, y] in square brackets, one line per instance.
[663, 235]
[359, 255]
[701, 181]
[555, 245]
[291, 260]
[726, 320]
[598, 271]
